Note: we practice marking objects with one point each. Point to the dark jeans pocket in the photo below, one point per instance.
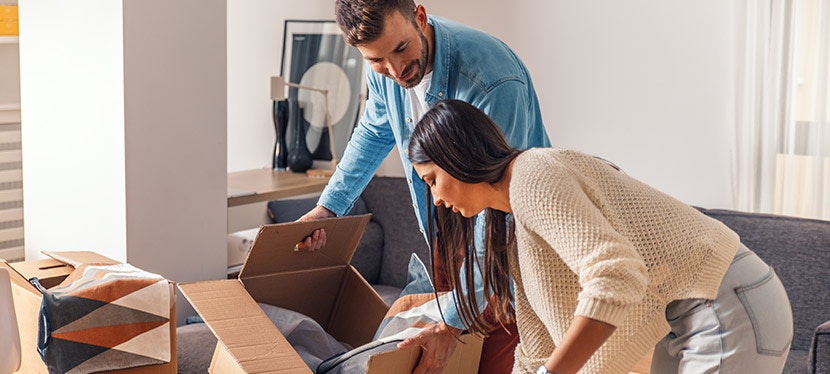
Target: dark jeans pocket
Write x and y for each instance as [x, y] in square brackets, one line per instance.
[768, 307]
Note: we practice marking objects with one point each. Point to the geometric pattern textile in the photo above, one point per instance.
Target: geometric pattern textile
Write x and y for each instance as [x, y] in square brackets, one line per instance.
[105, 317]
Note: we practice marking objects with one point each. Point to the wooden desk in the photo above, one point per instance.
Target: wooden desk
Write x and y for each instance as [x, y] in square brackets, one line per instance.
[251, 186]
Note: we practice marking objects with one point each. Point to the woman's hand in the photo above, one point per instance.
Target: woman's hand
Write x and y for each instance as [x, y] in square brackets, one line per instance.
[437, 343]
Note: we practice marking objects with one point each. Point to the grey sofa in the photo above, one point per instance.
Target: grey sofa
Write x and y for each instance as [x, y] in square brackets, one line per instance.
[798, 249]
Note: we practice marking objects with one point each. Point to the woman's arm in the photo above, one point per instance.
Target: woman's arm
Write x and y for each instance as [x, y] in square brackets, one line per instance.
[583, 338]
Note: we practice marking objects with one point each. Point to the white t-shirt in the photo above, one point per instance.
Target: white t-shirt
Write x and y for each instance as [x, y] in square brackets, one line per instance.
[417, 98]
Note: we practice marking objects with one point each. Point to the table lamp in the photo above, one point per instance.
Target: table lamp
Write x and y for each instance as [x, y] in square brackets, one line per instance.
[278, 85]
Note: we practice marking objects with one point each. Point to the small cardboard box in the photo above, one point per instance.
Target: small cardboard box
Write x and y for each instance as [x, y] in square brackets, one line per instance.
[27, 299]
[320, 284]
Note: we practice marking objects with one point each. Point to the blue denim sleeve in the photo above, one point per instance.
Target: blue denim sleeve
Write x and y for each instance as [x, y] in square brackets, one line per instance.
[370, 143]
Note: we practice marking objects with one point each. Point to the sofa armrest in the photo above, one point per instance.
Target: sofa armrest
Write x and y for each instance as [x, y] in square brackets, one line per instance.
[820, 350]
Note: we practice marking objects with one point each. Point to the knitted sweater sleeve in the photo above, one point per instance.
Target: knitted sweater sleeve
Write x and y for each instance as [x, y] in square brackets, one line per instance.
[565, 230]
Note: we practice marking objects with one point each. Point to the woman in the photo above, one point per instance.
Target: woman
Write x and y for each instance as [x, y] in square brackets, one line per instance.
[604, 267]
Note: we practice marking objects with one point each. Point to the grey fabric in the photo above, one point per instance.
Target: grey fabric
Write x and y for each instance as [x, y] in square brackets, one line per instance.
[391, 206]
[368, 256]
[799, 251]
[287, 210]
[195, 344]
[819, 360]
[796, 362]
[306, 336]
[388, 293]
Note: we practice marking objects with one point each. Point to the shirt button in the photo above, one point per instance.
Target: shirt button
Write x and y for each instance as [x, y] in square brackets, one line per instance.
[408, 119]
[415, 206]
[441, 94]
[421, 231]
[408, 180]
[406, 151]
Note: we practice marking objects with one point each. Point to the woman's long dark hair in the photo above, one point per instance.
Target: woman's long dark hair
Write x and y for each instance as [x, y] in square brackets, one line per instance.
[463, 141]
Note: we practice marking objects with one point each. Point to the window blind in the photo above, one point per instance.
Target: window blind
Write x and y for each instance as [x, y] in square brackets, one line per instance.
[11, 193]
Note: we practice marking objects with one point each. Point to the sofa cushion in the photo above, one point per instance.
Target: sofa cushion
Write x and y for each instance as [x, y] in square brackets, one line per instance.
[799, 251]
[287, 210]
[796, 362]
[195, 344]
[819, 360]
[388, 201]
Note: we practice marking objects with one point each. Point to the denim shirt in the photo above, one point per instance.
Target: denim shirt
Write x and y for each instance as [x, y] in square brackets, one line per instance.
[469, 65]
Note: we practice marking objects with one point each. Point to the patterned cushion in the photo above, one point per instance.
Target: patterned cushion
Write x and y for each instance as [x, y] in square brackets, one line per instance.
[105, 317]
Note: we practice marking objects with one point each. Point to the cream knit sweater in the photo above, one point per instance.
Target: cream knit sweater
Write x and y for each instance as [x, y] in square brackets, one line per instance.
[594, 242]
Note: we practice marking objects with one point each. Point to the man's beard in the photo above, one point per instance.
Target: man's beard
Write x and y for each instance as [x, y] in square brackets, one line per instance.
[420, 65]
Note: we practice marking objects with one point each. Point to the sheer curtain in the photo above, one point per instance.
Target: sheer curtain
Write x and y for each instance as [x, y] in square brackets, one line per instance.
[782, 145]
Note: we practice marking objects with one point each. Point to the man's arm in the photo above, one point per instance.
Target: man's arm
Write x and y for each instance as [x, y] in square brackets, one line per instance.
[370, 143]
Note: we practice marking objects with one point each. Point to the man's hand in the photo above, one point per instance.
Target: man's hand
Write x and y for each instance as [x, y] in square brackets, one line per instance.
[437, 343]
[317, 239]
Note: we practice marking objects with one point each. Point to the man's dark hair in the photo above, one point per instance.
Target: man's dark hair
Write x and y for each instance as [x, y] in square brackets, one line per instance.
[362, 20]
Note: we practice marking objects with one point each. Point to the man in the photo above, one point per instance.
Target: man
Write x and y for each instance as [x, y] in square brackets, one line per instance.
[416, 60]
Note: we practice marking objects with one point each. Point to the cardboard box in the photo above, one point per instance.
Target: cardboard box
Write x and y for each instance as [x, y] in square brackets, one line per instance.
[320, 284]
[27, 301]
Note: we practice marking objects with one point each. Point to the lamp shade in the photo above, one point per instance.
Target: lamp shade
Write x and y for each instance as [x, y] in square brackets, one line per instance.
[277, 88]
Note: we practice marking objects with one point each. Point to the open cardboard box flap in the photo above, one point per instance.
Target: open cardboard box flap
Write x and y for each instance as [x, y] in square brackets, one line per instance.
[273, 248]
[242, 328]
[77, 258]
[320, 284]
[53, 270]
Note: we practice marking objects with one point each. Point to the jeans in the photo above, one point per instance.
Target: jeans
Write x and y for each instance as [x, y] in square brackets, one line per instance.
[748, 328]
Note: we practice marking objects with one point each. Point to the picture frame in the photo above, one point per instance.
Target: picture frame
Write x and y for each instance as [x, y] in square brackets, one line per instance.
[314, 54]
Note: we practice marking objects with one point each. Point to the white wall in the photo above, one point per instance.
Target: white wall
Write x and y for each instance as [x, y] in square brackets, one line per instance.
[647, 84]
[124, 120]
[255, 38]
[65, 100]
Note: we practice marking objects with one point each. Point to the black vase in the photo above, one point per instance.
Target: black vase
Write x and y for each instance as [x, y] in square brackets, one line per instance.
[299, 159]
[323, 151]
[280, 161]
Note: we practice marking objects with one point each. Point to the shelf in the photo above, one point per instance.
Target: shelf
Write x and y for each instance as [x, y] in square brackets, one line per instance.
[9, 113]
[9, 39]
[250, 186]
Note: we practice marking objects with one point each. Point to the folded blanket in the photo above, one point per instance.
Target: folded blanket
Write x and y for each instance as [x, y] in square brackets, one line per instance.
[325, 355]
[105, 317]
